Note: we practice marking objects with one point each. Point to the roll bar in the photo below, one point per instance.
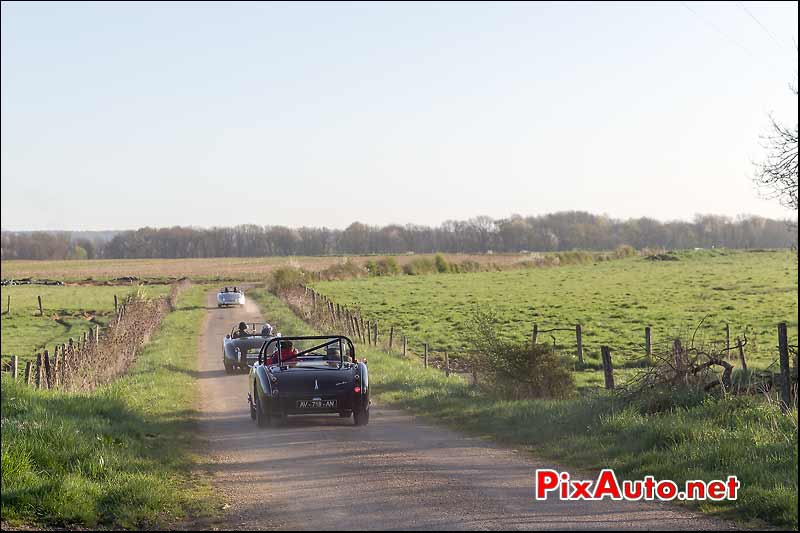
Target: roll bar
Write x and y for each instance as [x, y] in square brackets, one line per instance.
[341, 340]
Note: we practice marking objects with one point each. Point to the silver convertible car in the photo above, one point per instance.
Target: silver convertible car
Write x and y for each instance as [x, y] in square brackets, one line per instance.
[230, 296]
[240, 347]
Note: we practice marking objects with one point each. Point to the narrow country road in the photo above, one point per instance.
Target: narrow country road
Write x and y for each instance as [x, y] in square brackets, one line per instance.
[396, 473]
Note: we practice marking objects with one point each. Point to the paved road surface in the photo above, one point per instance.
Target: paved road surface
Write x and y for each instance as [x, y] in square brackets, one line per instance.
[396, 473]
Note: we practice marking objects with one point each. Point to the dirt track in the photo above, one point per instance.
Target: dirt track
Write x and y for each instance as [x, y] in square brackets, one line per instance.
[395, 473]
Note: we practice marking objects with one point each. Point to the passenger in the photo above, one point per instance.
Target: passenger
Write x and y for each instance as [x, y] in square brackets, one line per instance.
[241, 332]
[226, 290]
[288, 351]
[266, 330]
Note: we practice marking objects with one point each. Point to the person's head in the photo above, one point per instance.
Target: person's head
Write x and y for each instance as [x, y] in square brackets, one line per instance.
[266, 330]
[242, 326]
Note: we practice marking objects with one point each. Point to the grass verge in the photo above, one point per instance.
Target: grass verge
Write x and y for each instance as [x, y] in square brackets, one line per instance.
[118, 457]
[711, 440]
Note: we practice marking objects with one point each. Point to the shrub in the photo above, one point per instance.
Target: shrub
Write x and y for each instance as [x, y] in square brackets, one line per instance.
[623, 250]
[517, 370]
[465, 266]
[383, 267]
[285, 278]
[346, 270]
[442, 266]
[419, 266]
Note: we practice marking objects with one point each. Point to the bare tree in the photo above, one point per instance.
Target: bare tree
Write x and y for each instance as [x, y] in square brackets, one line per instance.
[777, 174]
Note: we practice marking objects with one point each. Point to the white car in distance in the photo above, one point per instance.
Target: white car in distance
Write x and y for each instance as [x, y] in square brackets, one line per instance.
[230, 296]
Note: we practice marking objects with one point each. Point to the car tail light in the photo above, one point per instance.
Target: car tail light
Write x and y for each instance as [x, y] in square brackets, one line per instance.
[357, 390]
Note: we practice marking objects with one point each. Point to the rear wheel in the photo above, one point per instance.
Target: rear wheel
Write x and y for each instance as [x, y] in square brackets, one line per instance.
[262, 417]
[277, 421]
[361, 417]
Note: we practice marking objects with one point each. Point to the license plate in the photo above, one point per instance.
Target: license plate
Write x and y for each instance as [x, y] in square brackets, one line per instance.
[316, 404]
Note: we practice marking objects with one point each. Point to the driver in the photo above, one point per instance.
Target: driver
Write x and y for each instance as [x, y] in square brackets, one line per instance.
[241, 332]
[332, 352]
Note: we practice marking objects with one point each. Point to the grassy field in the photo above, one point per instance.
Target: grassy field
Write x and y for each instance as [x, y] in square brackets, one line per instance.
[691, 439]
[210, 269]
[118, 457]
[68, 312]
[613, 301]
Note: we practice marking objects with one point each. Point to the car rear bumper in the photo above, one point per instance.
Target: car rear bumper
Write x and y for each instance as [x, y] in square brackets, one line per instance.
[287, 405]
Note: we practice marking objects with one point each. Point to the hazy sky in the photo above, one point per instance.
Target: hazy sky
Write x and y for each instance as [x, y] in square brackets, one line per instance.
[116, 116]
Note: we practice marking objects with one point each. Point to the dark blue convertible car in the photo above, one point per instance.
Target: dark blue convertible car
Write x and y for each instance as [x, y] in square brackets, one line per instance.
[308, 375]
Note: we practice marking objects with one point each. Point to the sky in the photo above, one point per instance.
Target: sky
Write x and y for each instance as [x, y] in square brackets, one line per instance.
[122, 115]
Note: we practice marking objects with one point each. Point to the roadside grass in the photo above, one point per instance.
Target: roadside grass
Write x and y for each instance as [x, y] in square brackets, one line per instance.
[613, 301]
[118, 457]
[747, 437]
[69, 311]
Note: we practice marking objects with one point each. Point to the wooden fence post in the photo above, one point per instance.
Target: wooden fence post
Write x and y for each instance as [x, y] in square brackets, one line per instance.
[38, 377]
[97, 334]
[41, 309]
[404, 345]
[741, 354]
[28, 366]
[48, 371]
[535, 333]
[579, 340]
[115, 303]
[391, 337]
[426, 355]
[783, 347]
[608, 368]
[62, 369]
[728, 339]
[648, 342]
[14, 363]
[8, 307]
[446, 365]
[375, 336]
[56, 363]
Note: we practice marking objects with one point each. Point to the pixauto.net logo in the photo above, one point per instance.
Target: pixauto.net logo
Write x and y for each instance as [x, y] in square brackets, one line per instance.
[560, 484]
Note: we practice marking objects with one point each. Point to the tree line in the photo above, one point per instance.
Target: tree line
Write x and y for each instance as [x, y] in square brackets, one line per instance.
[552, 232]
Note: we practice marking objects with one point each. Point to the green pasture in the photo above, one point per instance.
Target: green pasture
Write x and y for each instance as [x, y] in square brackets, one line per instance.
[119, 457]
[614, 301]
[69, 311]
[680, 437]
